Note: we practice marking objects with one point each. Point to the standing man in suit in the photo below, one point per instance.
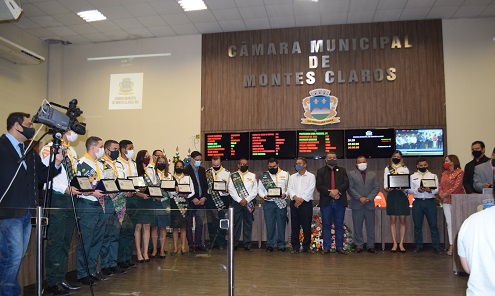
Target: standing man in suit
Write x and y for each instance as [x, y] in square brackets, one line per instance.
[17, 203]
[479, 157]
[332, 183]
[197, 202]
[363, 188]
[484, 174]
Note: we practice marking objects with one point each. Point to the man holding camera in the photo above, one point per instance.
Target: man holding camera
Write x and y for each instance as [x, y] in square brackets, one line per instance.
[18, 200]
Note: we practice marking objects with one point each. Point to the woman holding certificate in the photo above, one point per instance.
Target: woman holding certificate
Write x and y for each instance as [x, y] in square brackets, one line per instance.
[450, 183]
[397, 202]
[162, 206]
[179, 205]
[145, 206]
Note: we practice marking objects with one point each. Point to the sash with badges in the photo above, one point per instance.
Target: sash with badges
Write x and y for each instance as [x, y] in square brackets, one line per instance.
[181, 202]
[110, 172]
[87, 171]
[215, 195]
[267, 182]
[241, 189]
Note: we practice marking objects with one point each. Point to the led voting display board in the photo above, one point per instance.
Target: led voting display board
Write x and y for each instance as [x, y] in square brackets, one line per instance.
[316, 144]
[375, 143]
[278, 144]
[227, 145]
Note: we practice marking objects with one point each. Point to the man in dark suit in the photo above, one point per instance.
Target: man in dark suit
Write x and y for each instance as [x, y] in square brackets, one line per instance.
[363, 188]
[197, 202]
[332, 183]
[18, 202]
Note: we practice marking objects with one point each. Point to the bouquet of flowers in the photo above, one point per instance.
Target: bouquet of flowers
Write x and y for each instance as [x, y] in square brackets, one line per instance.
[316, 243]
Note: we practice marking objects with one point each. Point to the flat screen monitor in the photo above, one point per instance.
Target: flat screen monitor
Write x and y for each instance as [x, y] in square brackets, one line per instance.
[278, 144]
[370, 143]
[316, 144]
[420, 142]
[233, 145]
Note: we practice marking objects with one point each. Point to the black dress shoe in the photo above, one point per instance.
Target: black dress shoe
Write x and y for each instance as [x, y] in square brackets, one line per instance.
[57, 290]
[118, 270]
[437, 251]
[418, 250]
[342, 252]
[106, 272]
[87, 281]
[269, 249]
[248, 249]
[325, 252]
[68, 286]
[283, 249]
[131, 264]
[359, 250]
[372, 250]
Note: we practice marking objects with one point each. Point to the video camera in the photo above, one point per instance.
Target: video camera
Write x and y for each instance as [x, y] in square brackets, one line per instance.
[59, 121]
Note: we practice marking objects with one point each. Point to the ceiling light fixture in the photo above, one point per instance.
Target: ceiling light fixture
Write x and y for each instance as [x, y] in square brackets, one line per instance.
[190, 5]
[91, 15]
[150, 55]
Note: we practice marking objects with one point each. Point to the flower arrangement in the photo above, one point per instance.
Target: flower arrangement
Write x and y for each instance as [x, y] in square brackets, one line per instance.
[316, 243]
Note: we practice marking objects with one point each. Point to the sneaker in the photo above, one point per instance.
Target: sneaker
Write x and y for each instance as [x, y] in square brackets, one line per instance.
[117, 270]
[269, 249]
[131, 264]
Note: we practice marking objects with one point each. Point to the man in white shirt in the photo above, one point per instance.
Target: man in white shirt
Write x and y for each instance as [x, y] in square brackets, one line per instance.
[424, 205]
[475, 248]
[275, 207]
[243, 189]
[301, 188]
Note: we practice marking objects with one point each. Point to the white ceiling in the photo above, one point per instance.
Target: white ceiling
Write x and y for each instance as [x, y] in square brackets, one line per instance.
[135, 19]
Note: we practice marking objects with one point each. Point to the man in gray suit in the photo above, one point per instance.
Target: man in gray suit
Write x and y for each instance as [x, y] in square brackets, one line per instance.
[363, 188]
[484, 174]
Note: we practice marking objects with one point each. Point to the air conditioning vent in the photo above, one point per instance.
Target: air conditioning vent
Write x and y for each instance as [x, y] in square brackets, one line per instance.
[18, 54]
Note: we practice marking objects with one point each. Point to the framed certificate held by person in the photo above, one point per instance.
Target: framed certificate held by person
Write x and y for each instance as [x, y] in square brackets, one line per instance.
[138, 181]
[154, 191]
[429, 183]
[82, 183]
[168, 185]
[399, 181]
[107, 186]
[274, 192]
[184, 188]
[219, 185]
[125, 185]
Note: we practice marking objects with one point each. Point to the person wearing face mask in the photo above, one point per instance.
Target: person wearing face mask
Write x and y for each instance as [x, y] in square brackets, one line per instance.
[332, 184]
[17, 204]
[61, 227]
[479, 157]
[484, 174]
[180, 205]
[217, 202]
[300, 190]
[424, 205]
[243, 189]
[162, 206]
[197, 202]
[91, 213]
[363, 188]
[127, 167]
[114, 213]
[145, 214]
[274, 207]
[450, 183]
[397, 202]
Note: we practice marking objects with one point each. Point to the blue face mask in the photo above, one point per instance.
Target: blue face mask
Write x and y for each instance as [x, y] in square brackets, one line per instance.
[197, 163]
[299, 167]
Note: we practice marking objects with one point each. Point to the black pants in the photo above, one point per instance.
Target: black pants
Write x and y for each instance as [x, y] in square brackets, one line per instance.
[301, 217]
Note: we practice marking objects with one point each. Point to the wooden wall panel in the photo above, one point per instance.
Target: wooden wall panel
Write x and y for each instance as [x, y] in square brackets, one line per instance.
[415, 99]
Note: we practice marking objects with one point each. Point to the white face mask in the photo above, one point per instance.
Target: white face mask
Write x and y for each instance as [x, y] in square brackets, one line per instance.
[100, 153]
[129, 154]
[362, 166]
[71, 136]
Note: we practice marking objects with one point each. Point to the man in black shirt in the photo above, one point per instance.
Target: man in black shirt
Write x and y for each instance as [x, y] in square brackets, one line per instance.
[478, 151]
